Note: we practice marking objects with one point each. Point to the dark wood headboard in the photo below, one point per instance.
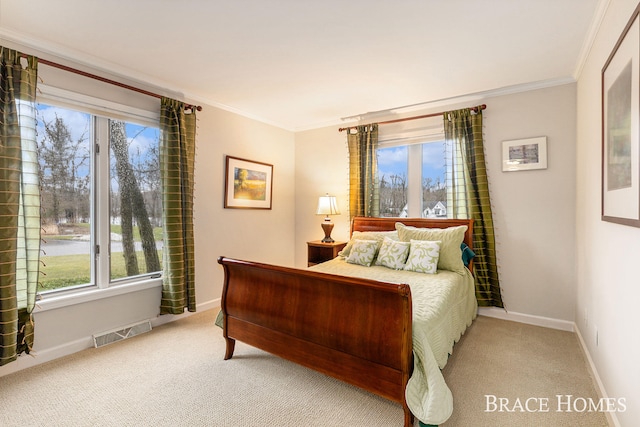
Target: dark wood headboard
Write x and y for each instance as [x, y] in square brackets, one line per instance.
[361, 223]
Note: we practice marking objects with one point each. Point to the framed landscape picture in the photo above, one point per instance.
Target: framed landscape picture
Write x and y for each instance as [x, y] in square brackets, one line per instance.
[620, 138]
[247, 184]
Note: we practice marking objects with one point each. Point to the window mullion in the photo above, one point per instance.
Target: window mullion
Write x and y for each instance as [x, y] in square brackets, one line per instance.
[414, 184]
[101, 202]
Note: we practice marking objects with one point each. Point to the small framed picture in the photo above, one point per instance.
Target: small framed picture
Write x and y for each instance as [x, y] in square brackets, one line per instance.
[524, 154]
[247, 184]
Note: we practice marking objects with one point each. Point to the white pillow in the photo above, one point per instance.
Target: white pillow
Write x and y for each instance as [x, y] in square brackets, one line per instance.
[393, 254]
[423, 256]
[363, 252]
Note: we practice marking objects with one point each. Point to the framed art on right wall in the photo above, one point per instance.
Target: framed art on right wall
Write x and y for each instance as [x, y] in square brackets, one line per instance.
[620, 127]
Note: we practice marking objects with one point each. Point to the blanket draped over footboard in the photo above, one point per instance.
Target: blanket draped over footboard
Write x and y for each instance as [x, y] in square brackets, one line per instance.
[443, 306]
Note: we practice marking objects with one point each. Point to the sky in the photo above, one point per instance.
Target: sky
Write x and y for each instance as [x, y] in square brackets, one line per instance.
[393, 161]
[79, 123]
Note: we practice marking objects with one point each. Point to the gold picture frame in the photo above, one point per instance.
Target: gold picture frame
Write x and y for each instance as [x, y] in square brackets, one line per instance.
[248, 184]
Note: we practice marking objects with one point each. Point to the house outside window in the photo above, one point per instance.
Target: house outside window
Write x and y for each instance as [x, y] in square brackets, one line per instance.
[412, 168]
[412, 180]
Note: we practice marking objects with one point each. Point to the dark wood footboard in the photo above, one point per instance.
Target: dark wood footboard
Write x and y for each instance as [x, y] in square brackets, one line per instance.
[356, 330]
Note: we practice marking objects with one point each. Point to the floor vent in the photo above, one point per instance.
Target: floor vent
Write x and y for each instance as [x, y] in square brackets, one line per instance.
[121, 334]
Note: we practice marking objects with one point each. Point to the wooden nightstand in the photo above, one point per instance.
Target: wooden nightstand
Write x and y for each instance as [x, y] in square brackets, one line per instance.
[320, 252]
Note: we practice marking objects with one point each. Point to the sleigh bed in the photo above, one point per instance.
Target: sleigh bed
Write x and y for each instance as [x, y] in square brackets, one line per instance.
[387, 331]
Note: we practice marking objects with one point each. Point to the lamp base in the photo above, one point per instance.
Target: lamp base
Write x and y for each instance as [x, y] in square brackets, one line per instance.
[327, 227]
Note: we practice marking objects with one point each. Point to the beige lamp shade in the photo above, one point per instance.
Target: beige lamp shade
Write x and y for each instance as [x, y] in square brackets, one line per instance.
[327, 205]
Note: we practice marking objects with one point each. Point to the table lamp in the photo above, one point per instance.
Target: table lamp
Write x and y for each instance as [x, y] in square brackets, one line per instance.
[327, 206]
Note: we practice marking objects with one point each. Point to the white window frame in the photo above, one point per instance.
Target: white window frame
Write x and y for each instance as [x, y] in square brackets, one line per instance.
[414, 180]
[412, 135]
[101, 286]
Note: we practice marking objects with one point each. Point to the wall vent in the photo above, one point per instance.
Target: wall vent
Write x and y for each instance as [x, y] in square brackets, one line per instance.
[121, 334]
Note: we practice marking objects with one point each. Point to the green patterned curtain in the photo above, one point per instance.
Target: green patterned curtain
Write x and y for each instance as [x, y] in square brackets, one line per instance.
[177, 159]
[469, 197]
[364, 191]
[19, 203]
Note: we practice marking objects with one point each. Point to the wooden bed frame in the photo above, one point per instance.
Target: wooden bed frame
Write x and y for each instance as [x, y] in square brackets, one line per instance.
[355, 330]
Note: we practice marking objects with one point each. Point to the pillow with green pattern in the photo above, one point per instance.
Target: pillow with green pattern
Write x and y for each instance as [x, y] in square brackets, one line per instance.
[393, 254]
[423, 256]
[367, 235]
[451, 238]
[363, 252]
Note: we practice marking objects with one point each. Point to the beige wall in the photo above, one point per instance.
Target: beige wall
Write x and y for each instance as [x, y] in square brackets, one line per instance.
[322, 166]
[533, 210]
[608, 288]
[260, 235]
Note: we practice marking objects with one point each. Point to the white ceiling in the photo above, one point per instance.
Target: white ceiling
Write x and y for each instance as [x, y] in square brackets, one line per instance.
[301, 64]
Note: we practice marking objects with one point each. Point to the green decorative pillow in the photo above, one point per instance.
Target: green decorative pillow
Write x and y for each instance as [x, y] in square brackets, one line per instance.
[393, 254]
[367, 235]
[423, 257]
[363, 252]
[451, 238]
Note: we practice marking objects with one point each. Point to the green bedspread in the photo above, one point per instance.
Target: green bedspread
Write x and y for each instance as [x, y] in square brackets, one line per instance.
[444, 305]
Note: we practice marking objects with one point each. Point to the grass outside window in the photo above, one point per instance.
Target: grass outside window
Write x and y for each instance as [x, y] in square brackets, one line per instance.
[63, 271]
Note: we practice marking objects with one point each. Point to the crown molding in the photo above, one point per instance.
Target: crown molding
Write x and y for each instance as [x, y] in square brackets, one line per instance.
[60, 53]
[589, 40]
[468, 98]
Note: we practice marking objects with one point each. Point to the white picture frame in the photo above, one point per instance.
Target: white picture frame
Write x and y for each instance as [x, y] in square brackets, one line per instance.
[524, 154]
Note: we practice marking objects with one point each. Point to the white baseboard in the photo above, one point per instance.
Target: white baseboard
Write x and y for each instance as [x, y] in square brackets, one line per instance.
[34, 358]
[529, 319]
[602, 393]
[25, 361]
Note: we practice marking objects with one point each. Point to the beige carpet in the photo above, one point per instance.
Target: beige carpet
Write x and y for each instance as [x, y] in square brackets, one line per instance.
[175, 376]
[515, 361]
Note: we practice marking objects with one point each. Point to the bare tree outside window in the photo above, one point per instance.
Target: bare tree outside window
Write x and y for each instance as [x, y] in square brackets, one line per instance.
[393, 195]
[64, 151]
[394, 178]
[392, 175]
[134, 165]
[70, 224]
[434, 189]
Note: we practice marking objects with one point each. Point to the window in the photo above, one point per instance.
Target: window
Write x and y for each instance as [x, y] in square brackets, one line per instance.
[101, 207]
[434, 191]
[392, 175]
[412, 180]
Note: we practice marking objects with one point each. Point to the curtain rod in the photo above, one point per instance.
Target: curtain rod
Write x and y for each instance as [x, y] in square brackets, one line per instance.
[475, 109]
[105, 80]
